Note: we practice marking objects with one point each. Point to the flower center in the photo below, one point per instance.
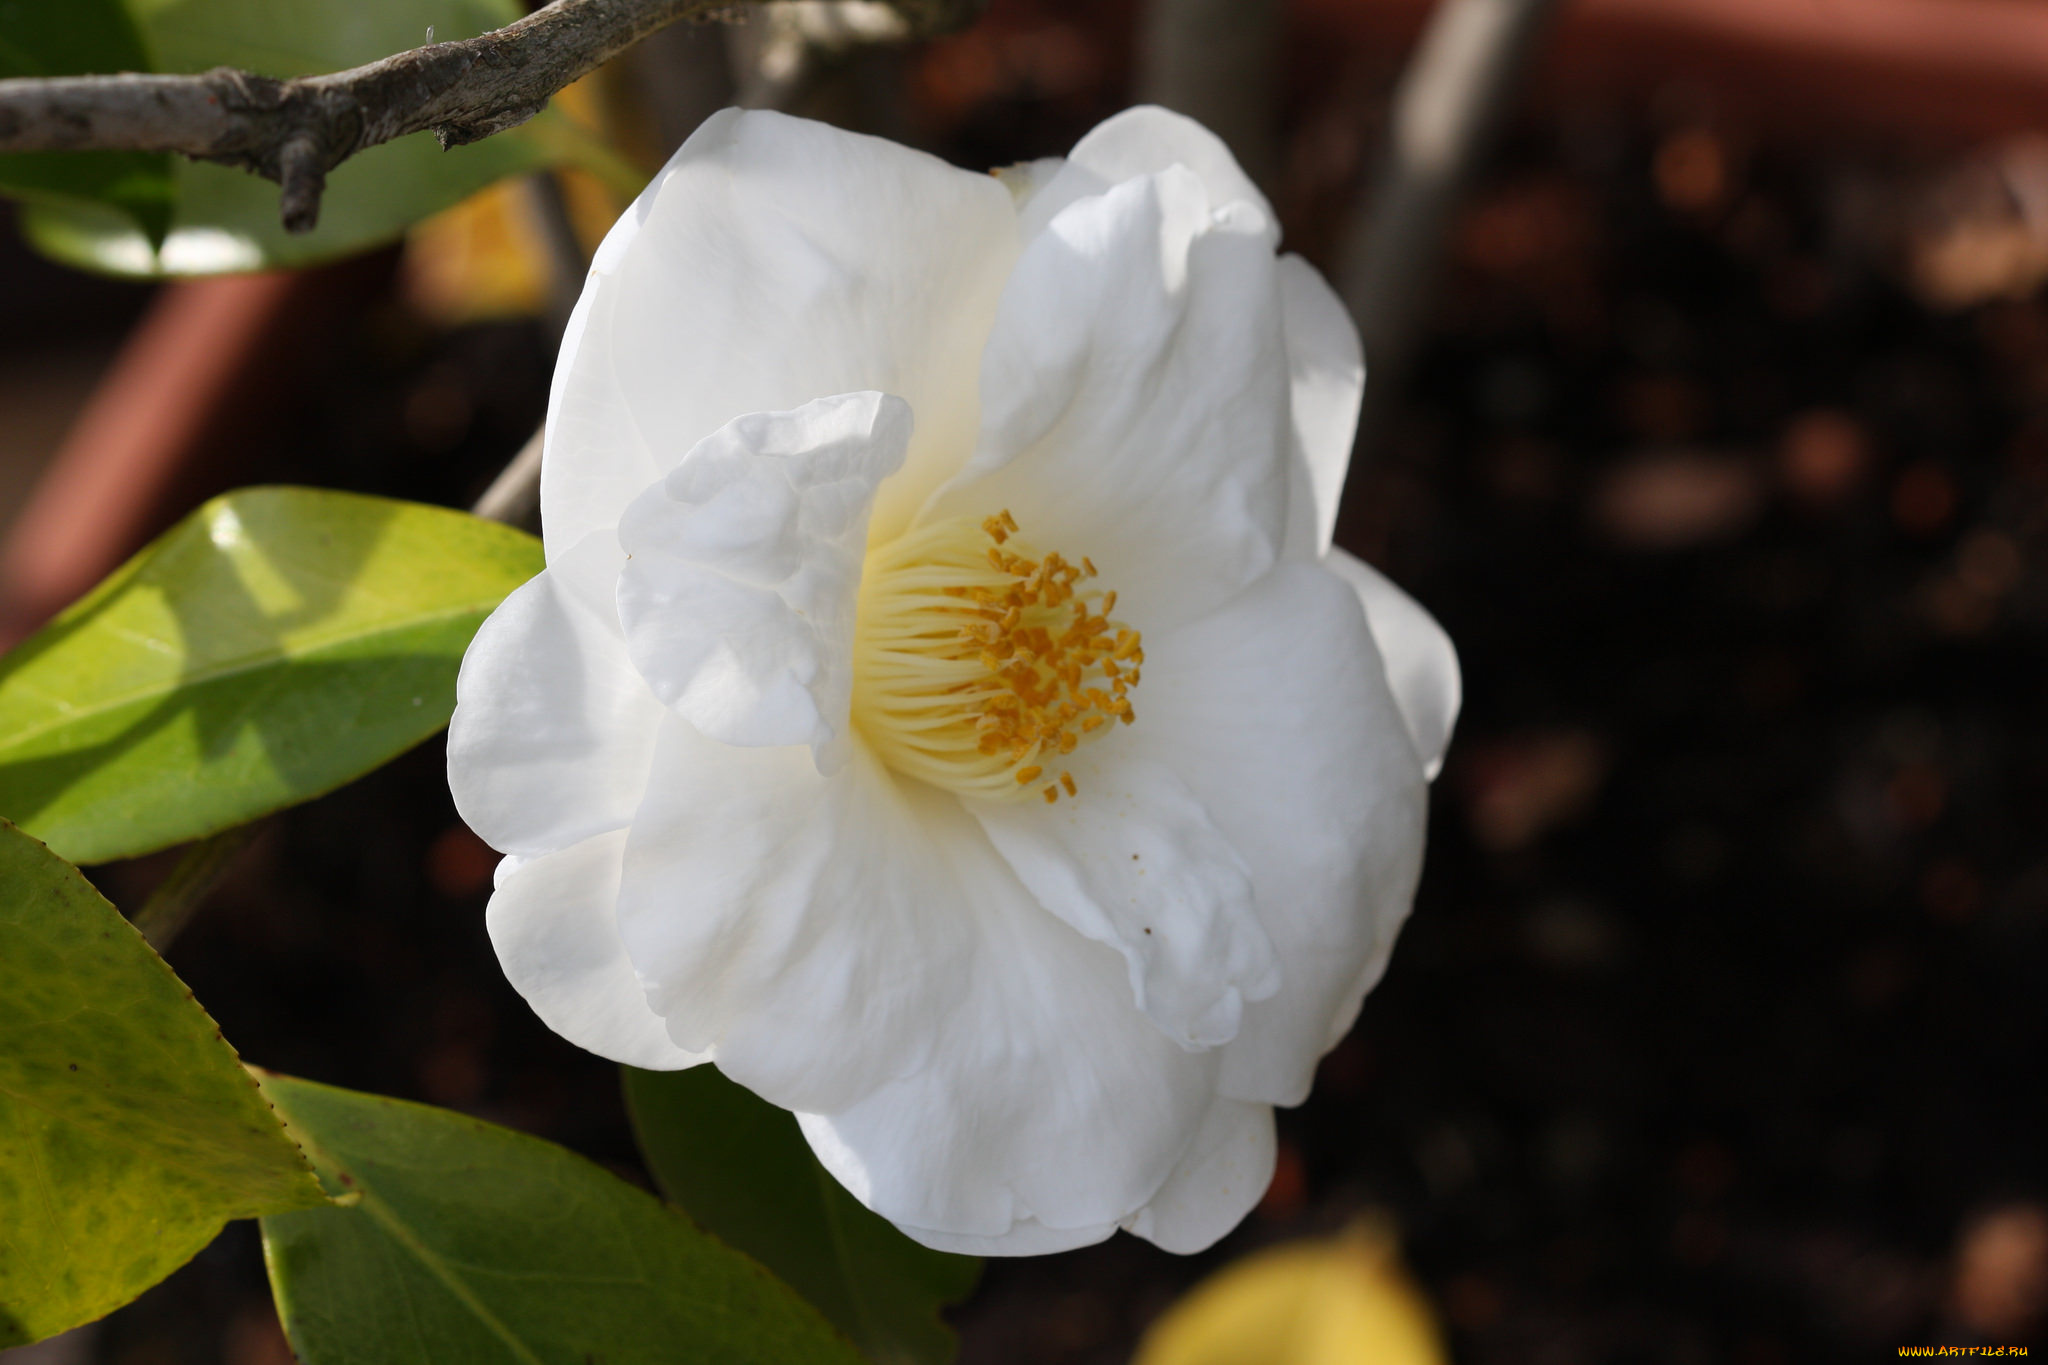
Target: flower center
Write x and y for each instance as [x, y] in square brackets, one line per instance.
[978, 663]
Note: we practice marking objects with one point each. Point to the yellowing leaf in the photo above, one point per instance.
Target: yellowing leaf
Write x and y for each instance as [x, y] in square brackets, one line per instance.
[129, 1133]
[1341, 1301]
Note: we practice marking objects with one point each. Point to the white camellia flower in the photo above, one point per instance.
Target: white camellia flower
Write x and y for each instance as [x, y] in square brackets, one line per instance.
[942, 705]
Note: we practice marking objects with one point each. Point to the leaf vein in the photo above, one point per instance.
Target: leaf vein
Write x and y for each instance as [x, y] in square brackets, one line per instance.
[248, 663]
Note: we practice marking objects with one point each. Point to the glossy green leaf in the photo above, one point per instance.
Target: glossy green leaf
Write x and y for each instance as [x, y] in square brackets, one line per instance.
[742, 1169]
[221, 218]
[128, 1131]
[273, 645]
[225, 219]
[43, 38]
[469, 1243]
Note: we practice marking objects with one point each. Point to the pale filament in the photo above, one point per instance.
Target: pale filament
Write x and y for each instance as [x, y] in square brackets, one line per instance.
[979, 664]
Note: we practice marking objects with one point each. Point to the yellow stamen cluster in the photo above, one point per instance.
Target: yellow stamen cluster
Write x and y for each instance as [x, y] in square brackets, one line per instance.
[979, 663]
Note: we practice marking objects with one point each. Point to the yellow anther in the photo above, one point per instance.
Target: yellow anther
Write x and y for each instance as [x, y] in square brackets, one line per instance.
[972, 661]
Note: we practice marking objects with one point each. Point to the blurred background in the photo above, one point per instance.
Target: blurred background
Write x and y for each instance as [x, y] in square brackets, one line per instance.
[1719, 443]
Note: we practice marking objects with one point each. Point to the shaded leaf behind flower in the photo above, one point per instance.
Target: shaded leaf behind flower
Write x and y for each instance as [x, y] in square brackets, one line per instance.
[464, 1241]
[742, 1169]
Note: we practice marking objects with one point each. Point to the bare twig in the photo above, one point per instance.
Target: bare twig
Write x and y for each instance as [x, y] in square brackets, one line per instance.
[547, 208]
[784, 53]
[295, 131]
[514, 496]
[1470, 63]
[169, 907]
[682, 77]
[1218, 61]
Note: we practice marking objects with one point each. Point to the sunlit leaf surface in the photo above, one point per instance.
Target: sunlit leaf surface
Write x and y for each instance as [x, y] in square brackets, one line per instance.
[128, 1131]
[276, 643]
[471, 1243]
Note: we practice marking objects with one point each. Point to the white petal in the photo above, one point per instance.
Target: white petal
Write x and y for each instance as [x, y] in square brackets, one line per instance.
[1135, 398]
[1044, 1098]
[552, 729]
[1226, 1172]
[1026, 178]
[772, 261]
[1276, 712]
[593, 458]
[803, 927]
[1422, 664]
[1326, 371]
[551, 921]
[1139, 142]
[1045, 1095]
[853, 947]
[1028, 1237]
[743, 571]
[1134, 862]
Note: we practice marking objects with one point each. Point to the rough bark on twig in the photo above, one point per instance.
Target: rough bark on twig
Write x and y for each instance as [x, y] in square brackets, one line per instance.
[296, 131]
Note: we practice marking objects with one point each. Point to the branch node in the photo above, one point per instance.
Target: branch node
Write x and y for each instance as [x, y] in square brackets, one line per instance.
[295, 131]
[302, 177]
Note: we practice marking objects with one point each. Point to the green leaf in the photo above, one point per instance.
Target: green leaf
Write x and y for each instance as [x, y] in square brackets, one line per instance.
[41, 38]
[226, 219]
[305, 37]
[220, 218]
[742, 1169]
[472, 1243]
[128, 1131]
[273, 645]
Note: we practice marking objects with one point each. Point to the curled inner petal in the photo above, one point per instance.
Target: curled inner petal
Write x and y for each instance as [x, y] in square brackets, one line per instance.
[979, 663]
